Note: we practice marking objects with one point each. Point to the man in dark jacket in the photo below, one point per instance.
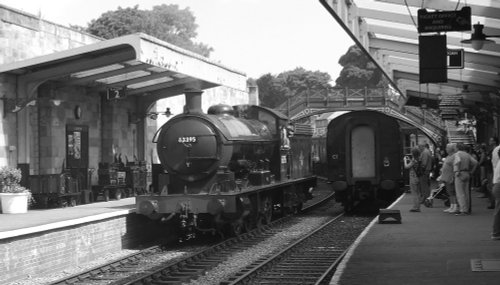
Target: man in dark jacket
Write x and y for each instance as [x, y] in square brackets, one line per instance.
[426, 164]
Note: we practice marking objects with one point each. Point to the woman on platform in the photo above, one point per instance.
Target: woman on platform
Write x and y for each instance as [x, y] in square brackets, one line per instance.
[413, 164]
[447, 177]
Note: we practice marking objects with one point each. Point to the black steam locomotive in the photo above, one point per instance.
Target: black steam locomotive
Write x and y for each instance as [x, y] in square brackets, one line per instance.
[364, 156]
[231, 169]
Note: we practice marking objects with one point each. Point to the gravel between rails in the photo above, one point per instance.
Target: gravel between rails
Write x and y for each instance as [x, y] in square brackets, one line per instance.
[280, 240]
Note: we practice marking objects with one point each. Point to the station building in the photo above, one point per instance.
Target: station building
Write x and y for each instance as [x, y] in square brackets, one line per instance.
[70, 100]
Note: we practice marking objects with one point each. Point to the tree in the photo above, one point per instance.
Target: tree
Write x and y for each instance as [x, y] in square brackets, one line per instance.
[359, 71]
[270, 93]
[166, 22]
[275, 90]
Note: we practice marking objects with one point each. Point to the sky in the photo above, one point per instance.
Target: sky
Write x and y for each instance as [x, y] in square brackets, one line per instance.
[253, 36]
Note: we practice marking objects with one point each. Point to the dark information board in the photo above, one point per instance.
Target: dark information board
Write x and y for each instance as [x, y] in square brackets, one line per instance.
[444, 21]
[432, 54]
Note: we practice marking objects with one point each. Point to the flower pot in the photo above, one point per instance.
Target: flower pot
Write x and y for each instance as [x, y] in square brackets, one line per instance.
[14, 203]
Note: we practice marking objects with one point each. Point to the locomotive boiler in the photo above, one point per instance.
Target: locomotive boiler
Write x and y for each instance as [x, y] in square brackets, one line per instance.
[231, 169]
[364, 156]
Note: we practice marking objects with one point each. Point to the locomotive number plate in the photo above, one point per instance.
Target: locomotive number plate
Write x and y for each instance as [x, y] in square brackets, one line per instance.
[187, 140]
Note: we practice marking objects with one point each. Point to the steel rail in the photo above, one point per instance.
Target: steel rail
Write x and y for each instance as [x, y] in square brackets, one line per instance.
[72, 279]
[260, 267]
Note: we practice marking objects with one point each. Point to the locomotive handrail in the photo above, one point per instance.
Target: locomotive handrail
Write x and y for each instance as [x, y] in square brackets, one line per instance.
[155, 137]
[203, 157]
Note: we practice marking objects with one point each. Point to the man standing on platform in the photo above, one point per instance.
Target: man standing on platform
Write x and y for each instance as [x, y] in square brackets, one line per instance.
[463, 166]
[495, 235]
[426, 164]
[490, 167]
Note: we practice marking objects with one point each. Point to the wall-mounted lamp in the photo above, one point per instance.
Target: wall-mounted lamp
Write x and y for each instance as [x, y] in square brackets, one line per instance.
[134, 118]
[14, 105]
[478, 38]
[56, 102]
[154, 115]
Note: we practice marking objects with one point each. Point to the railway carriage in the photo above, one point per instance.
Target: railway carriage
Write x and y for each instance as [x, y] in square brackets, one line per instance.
[364, 156]
[230, 169]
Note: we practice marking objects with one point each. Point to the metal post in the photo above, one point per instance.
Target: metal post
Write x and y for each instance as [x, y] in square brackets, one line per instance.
[366, 96]
[288, 107]
[345, 96]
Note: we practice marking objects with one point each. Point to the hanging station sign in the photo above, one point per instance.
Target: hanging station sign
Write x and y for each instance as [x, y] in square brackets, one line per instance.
[455, 58]
[444, 21]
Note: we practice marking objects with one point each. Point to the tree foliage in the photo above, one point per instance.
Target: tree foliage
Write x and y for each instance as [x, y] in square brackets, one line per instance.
[358, 70]
[166, 22]
[274, 90]
[270, 93]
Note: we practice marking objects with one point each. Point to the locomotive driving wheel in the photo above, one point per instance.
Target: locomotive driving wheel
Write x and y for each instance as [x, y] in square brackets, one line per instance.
[236, 228]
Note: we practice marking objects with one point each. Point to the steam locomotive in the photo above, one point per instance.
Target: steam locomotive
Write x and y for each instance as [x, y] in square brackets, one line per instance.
[364, 157]
[231, 169]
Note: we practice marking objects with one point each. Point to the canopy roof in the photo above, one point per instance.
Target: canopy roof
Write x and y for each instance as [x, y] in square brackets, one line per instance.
[386, 30]
[138, 64]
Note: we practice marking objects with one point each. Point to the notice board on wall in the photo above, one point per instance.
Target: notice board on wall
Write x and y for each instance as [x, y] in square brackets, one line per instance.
[77, 146]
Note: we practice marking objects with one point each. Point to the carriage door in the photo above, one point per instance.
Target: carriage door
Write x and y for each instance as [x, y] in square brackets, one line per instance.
[363, 152]
[77, 156]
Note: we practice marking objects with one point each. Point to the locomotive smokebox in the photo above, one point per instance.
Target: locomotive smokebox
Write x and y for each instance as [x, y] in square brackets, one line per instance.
[193, 101]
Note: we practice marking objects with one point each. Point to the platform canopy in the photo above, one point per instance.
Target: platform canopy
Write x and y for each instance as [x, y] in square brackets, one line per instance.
[387, 31]
[136, 64]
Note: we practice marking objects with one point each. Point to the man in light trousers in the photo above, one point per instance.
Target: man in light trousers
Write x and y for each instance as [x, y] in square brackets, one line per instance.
[463, 166]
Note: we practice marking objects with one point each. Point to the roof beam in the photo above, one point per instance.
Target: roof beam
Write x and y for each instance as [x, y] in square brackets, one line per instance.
[402, 74]
[83, 63]
[480, 10]
[413, 35]
[451, 76]
[422, 95]
[431, 88]
[379, 14]
[125, 69]
[151, 76]
[455, 72]
[156, 87]
[397, 46]
[468, 64]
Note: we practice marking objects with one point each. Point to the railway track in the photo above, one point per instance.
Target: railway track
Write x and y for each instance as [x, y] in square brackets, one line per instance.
[127, 270]
[310, 260]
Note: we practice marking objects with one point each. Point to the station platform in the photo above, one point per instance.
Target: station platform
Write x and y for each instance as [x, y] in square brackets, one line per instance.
[46, 241]
[34, 221]
[428, 247]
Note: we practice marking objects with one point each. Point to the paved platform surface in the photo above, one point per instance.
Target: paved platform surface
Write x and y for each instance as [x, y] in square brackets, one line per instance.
[428, 248]
[12, 225]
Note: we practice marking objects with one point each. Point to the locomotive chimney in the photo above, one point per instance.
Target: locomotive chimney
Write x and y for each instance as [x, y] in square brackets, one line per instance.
[193, 101]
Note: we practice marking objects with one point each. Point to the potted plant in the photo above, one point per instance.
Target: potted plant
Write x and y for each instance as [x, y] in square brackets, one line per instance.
[14, 198]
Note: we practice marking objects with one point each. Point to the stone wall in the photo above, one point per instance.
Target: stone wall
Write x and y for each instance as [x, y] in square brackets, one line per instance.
[48, 122]
[24, 36]
[57, 250]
